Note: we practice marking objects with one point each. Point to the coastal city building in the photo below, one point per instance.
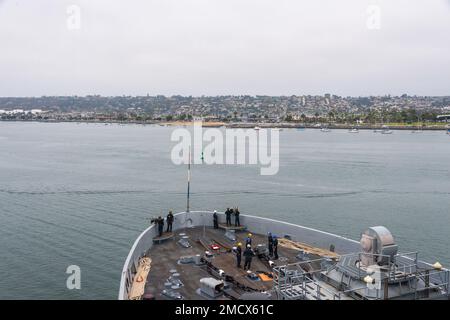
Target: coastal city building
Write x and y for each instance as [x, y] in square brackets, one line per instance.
[271, 109]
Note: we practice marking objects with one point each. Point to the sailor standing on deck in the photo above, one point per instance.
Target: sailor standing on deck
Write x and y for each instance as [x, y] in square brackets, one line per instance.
[160, 226]
[275, 247]
[238, 254]
[248, 254]
[216, 220]
[248, 240]
[237, 223]
[170, 219]
[228, 216]
[270, 243]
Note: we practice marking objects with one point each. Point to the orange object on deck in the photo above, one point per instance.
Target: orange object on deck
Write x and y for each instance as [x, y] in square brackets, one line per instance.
[264, 277]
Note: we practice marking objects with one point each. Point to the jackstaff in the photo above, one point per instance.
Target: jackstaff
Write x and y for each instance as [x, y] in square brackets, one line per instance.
[188, 180]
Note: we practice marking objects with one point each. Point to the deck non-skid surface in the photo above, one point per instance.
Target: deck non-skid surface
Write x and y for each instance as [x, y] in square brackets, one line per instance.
[165, 257]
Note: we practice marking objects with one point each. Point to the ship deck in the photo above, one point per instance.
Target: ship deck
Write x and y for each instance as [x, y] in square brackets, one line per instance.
[320, 274]
[165, 256]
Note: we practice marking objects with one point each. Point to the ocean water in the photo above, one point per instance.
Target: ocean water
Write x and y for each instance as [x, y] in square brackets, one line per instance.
[80, 194]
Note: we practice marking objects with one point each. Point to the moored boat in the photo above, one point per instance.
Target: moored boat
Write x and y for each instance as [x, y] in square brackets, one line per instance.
[386, 130]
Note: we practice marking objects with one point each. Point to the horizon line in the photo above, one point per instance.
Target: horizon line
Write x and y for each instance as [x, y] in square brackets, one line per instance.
[223, 95]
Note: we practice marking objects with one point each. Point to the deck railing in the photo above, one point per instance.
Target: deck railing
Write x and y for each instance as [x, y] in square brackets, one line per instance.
[404, 267]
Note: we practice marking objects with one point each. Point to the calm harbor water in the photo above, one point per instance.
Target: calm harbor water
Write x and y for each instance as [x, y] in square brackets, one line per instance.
[80, 194]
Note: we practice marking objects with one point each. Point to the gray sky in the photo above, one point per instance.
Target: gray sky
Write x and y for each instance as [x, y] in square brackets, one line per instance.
[215, 47]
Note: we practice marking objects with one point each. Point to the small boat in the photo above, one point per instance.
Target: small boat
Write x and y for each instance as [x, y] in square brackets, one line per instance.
[256, 128]
[386, 130]
[325, 130]
[354, 130]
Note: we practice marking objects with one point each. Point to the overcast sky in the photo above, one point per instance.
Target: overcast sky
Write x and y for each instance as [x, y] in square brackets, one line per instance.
[216, 47]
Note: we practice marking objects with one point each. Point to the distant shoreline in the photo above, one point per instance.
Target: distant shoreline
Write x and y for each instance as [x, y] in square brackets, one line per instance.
[249, 125]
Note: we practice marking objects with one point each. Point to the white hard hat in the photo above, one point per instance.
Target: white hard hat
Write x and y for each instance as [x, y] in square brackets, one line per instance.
[215, 211]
